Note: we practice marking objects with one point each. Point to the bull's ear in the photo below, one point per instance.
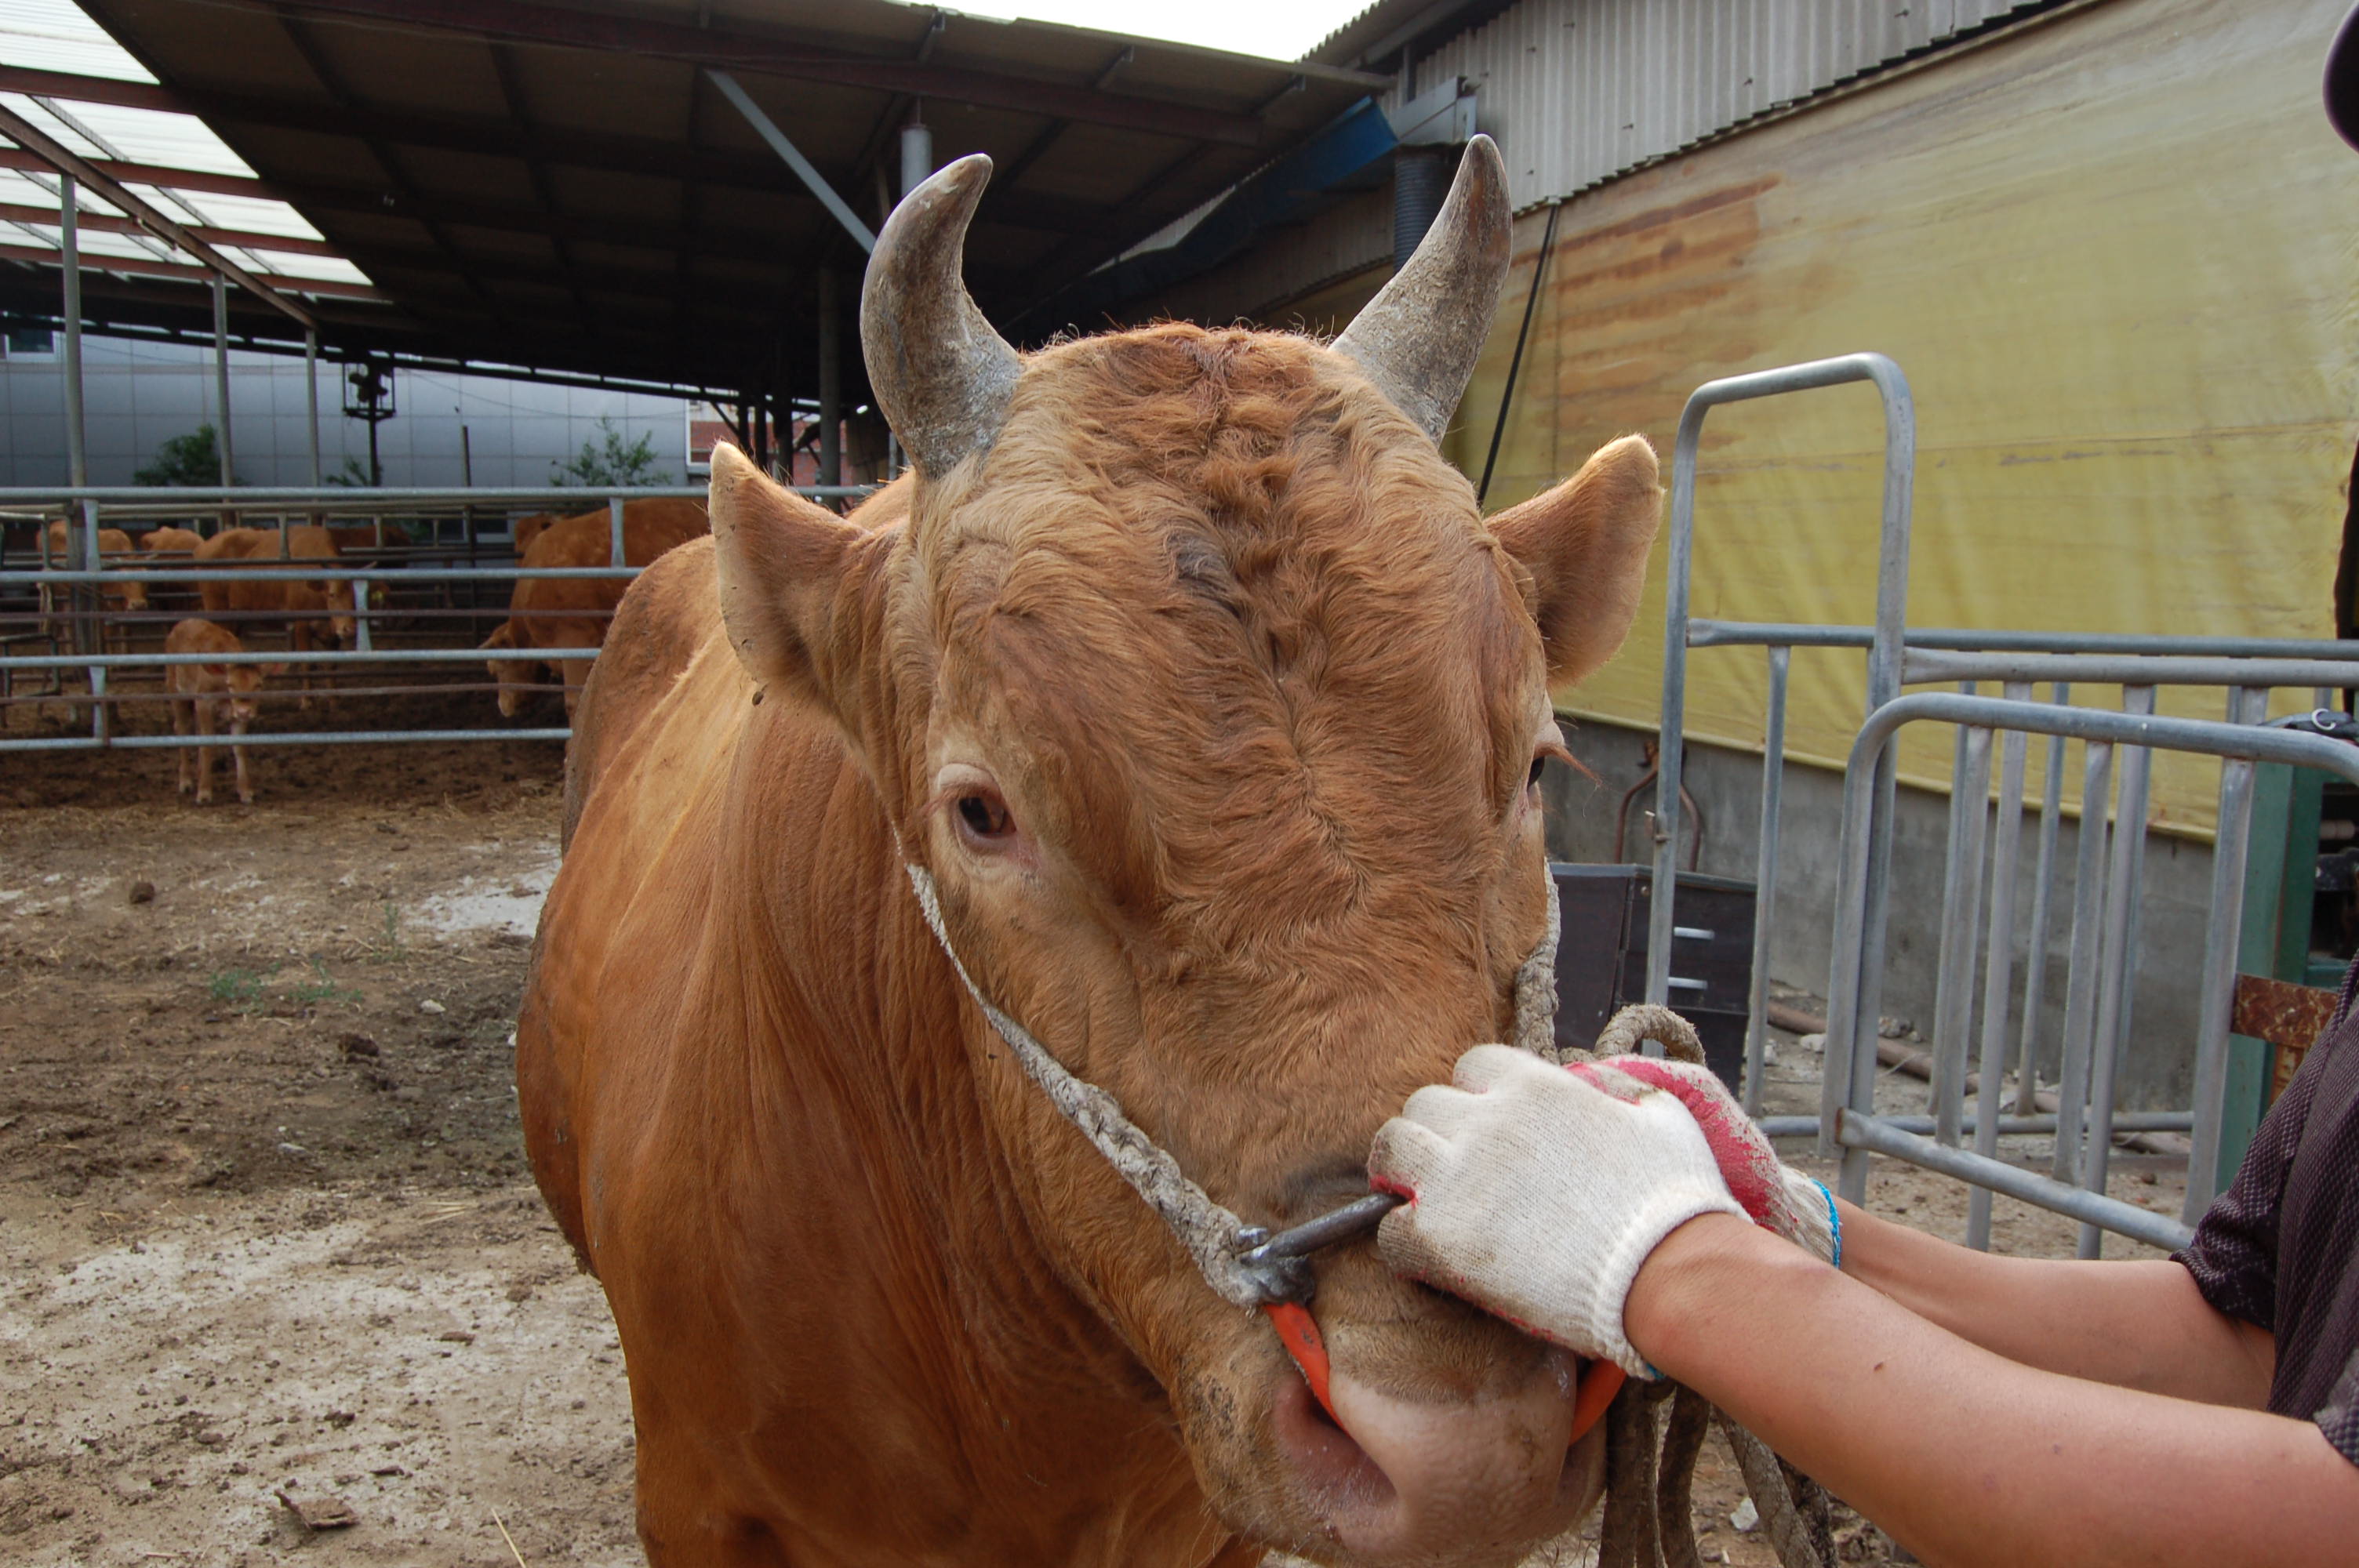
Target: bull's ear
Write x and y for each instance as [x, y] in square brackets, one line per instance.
[1585, 543]
[782, 563]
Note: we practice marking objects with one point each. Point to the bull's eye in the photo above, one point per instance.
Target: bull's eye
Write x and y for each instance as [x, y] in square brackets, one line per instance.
[1532, 779]
[983, 818]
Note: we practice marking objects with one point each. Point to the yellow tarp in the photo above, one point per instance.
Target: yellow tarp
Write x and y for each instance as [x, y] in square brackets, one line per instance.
[2115, 256]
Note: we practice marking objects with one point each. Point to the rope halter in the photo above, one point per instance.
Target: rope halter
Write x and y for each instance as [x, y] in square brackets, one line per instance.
[1214, 1236]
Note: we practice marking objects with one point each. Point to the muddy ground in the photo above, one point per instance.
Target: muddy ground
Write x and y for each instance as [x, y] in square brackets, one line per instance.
[268, 1243]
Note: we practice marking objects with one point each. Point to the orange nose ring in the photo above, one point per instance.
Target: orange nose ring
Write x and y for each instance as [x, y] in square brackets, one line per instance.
[1298, 1332]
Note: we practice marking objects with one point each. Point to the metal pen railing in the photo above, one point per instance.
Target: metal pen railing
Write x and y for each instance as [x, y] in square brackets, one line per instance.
[84, 573]
[1882, 664]
[2086, 1119]
[1983, 856]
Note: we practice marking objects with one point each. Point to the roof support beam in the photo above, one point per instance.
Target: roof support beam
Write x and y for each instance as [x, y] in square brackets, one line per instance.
[65, 161]
[723, 49]
[148, 266]
[767, 129]
[243, 239]
[148, 174]
[510, 135]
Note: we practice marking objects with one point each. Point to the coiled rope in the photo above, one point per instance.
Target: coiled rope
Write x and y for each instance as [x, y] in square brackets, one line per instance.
[1649, 1473]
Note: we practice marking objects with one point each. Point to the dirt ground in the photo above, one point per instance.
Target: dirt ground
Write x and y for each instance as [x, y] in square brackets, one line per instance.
[268, 1242]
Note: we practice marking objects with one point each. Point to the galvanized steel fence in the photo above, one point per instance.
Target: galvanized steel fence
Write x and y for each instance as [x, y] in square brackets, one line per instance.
[62, 604]
[1983, 851]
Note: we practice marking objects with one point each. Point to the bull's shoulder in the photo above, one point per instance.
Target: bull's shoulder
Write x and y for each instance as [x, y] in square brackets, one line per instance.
[671, 609]
[230, 545]
[583, 541]
[308, 539]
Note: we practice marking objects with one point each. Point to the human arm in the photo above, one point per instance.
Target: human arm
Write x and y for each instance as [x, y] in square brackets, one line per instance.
[2139, 1324]
[1964, 1456]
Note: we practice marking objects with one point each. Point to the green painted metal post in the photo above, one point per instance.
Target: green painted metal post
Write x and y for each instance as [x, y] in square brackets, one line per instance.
[2279, 878]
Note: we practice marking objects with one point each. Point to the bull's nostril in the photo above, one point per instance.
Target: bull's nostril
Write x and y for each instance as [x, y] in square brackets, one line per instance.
[1337, 1469]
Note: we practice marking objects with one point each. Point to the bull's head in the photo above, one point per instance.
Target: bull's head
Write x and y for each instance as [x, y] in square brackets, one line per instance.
[516, 676]
[1198, 682]
[337, 595]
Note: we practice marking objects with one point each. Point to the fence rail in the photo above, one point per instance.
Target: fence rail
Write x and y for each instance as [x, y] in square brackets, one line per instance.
[1984, 848]
[76, 609]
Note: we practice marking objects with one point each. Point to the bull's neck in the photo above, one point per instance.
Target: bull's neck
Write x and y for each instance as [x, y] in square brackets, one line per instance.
[956, 1250]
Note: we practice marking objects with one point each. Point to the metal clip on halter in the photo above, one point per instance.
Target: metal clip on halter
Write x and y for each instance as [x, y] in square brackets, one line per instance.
[1280, 1264]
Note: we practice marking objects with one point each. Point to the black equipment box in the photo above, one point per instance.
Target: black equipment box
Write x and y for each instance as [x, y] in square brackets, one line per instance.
[1601, 956]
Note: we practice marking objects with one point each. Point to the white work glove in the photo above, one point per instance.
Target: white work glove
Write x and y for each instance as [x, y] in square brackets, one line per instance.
[1774, 1194]
[1537, 1195]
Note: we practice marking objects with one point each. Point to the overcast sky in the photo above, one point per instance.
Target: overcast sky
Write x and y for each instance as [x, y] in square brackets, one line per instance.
[1282, 30]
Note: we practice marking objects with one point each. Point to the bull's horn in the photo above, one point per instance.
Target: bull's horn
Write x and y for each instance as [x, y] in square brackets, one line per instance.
[1418, 338]
[940, 372]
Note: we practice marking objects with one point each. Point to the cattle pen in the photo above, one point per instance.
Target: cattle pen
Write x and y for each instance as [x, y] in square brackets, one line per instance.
[411, 598]
[1979, 774]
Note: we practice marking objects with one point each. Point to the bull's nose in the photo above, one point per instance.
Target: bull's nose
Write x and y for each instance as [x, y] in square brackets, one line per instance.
[1403, 1480]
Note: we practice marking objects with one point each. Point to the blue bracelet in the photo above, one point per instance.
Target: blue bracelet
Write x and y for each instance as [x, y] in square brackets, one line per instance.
[1834, 1221]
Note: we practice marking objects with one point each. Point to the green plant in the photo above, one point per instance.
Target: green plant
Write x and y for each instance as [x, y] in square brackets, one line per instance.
[191, 460]
[389, 940]
[610, 461]
[352, 476]
[309, 993]
[240, 986]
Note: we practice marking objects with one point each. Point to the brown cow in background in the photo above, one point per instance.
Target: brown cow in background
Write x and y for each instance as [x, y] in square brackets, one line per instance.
[311, 610]
[171, 541]
[573, 612]
[528, 528]
[114, 550]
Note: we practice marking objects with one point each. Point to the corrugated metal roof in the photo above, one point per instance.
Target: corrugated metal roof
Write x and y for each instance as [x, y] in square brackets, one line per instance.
[57, 34]
[558, 183]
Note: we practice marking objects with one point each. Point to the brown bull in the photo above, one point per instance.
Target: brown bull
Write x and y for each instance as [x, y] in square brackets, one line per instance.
[573, 612]
[312, 610]
[1190, 672]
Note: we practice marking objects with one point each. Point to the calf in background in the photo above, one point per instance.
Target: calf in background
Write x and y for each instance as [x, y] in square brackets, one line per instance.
[204, 694]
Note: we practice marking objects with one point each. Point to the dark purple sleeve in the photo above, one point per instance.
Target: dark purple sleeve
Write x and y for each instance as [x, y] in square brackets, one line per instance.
[2234, 1254]
[2339, 1420]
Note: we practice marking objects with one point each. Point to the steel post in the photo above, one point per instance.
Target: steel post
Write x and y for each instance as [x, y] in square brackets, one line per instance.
[830, 381]
[1765, 881]
[616, 551]
[2223, 930]
[1892, 589]
[2117, 977]
[221, 381]
[92, 596]
[1999, 957]
[917, 155]
[1961, 903]
[2081, 966]
[311, 395]
[69, 264]
[2043, 879]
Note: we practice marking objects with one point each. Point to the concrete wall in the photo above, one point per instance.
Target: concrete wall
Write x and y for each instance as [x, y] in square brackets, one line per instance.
[2157, 1072]
[138, 395]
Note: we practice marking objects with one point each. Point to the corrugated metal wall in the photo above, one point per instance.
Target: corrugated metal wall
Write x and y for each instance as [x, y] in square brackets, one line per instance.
[1576, 91]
